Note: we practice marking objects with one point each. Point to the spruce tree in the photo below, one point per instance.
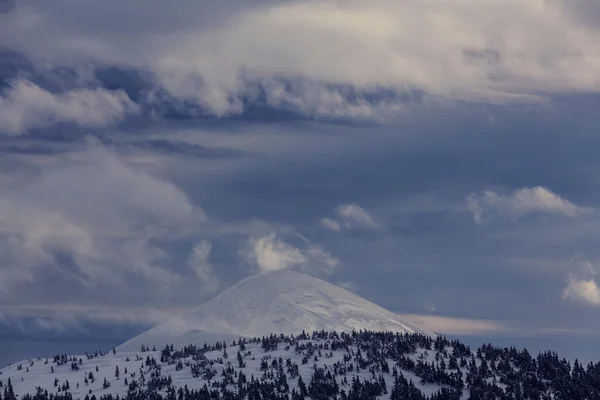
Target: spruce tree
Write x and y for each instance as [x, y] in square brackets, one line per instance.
[9, 394]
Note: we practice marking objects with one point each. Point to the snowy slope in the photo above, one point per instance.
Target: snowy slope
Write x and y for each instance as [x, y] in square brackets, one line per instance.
[274, 302]
[30, 374]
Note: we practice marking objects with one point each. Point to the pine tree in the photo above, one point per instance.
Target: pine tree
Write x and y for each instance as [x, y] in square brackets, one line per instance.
[9, 394]
[302, 387]
[117, 372]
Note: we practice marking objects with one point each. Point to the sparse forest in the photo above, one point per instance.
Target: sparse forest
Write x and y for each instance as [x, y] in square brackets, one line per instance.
[319, 366]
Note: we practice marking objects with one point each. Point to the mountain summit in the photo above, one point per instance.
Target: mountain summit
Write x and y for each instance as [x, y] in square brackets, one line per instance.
[274, 302]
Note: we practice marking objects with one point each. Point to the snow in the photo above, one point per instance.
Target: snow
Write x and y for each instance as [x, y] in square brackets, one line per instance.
[40, 373]
[274, 302]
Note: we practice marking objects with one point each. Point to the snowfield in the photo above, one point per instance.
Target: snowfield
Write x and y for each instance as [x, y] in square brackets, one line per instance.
[275, 302]
[133, 366]
[320, 366]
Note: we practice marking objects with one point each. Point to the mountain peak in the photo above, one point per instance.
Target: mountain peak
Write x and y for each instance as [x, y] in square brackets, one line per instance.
[270, 302]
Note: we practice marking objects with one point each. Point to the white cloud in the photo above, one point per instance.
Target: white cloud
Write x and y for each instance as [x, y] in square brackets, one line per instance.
[330, 224]
[522, 201]
[198, 262]
[270, 253]
[355, 215]
[582, 290]
[582, 286]
[27, 106]
[101, 214]
[490, 50]
[350, 216]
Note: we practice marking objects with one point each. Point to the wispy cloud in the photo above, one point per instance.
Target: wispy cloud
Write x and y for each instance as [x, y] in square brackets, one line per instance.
[27, 106]
[349, 216]
[330, 224]
[198, 261]
[458, 326]
[349, 286]
[529, 200]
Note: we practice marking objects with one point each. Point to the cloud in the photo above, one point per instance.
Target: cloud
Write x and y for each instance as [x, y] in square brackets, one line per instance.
[457, 326]
[198, 262]
[582, 290]
[270, 253]
[330, 224]
[350, 216]
[320, 260]
[347, 285]
[582, 286]
[353, 214]
[26, 106]
[490, 50]
[95, 222]
[521, 202]
[35, 320]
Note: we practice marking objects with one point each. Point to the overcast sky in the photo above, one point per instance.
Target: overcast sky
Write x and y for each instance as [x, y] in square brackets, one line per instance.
[437, 157]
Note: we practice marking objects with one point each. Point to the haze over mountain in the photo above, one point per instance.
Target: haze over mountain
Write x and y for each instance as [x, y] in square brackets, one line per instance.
[274, 302]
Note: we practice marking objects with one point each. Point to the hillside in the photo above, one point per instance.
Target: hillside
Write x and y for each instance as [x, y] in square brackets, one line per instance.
[274, 302]
[323, 366]
[289, 336]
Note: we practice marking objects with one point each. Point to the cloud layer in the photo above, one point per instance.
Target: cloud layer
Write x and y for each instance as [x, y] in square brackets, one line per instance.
[301, 54]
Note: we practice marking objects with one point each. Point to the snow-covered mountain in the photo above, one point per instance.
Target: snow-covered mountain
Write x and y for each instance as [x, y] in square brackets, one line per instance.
[390, 359]
[274, 302]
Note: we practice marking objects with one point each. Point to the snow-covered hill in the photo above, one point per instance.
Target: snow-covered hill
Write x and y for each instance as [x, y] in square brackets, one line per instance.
[214, 366]
[274, 302]
[321, 366]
